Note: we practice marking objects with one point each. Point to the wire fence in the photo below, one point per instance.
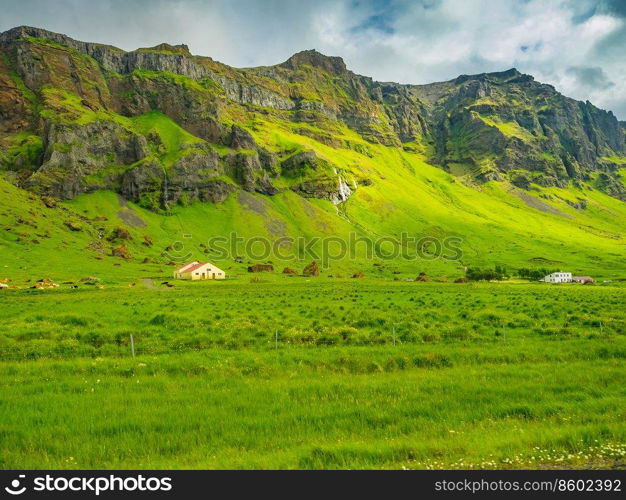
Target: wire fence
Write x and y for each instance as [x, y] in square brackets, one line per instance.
[137, 348]
[133, 345]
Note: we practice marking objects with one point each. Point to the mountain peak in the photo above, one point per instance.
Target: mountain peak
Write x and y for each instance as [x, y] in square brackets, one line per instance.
[509, 72]
[331, 64]
[181, 49]
[21, 32]
[26, 31]
[504, 76]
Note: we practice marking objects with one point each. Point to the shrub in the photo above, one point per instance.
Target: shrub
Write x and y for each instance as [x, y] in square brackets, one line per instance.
[120, 233]
[311, 270]
[121, 251]
[73, 225]
[477, 274]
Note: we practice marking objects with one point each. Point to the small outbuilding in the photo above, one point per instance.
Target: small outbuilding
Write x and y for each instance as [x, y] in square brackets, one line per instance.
[582, 279]
[199, 271]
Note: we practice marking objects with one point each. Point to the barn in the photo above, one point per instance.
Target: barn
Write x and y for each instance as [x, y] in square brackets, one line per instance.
[582, 279]
[199, 271]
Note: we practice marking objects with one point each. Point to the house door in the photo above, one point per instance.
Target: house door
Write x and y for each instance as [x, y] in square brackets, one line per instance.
[203, 275]
[213, 275]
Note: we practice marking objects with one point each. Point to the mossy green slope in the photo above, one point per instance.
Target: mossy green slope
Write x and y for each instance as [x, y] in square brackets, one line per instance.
[142, 140]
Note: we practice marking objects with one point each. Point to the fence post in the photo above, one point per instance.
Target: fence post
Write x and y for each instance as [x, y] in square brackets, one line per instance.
[276, 339]
[132, 345]
[394, 335]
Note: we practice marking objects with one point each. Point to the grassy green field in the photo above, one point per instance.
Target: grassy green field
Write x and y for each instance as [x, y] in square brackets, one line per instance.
[314, 373]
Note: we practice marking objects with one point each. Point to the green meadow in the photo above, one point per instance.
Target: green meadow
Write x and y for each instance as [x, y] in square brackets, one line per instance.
[293, 372]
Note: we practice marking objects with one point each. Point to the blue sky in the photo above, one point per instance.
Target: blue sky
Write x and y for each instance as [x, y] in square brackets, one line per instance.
[576, 45]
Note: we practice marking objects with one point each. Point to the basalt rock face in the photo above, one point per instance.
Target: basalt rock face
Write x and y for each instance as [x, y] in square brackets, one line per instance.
[75, 153]
[162, 126]
[501, 122]
[323, 89]
[611, 184]
[251, 173]
[15, 112]
[193, 177]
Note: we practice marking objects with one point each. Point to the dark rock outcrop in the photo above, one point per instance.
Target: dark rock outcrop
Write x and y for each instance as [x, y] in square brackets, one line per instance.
[332, 65]
[512, 122]
[323, 179]
[261, 268]
[253, 170]
[240, 138]
[75, 152]
[334, 189]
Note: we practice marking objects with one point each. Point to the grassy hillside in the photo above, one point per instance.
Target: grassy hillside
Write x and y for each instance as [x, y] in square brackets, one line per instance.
[170, 149]
[496, 222]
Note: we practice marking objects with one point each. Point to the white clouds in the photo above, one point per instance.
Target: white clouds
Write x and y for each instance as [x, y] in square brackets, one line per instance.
[543, 38]
[401, 40]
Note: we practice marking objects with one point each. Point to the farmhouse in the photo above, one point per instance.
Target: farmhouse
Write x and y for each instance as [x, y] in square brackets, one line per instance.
[559, 277]
[199, 271]
[582, 279]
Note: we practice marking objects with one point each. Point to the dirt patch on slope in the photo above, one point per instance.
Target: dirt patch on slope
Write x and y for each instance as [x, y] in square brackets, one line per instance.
[257, 205]
[533, 202]
[274, 225]
[128, 215]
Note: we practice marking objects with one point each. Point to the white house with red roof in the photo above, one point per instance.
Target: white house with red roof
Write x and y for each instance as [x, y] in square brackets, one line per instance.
[199, 271]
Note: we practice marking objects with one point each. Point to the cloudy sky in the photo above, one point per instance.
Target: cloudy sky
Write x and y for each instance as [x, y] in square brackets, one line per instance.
[578, 45]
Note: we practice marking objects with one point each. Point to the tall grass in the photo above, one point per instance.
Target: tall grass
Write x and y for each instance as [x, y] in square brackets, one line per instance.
[485, 376]
[275, 410]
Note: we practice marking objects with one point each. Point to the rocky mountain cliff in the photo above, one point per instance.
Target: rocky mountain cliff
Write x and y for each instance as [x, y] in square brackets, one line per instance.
[161, 126]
